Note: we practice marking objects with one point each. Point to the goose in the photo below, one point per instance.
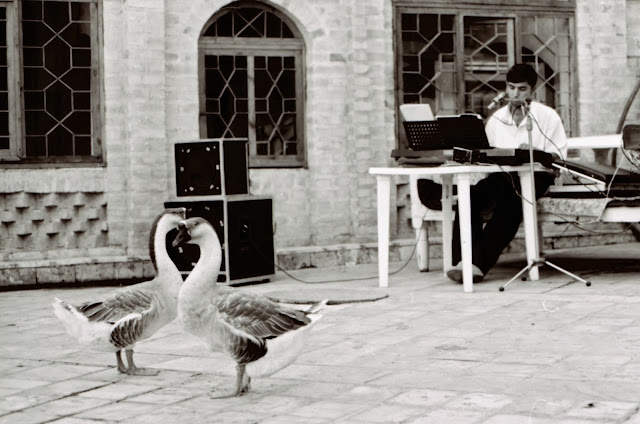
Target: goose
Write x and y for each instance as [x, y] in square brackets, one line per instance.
[262, 336]
[133, 313]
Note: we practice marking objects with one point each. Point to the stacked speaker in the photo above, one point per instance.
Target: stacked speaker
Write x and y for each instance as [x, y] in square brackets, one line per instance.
[212, 182]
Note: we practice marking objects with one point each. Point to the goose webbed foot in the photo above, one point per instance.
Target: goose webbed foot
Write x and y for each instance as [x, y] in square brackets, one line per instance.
[243, 385]
[142, 371]
[133, 370]
[216, 393]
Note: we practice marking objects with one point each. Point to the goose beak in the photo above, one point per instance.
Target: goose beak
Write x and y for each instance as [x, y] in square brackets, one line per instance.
[182, 237]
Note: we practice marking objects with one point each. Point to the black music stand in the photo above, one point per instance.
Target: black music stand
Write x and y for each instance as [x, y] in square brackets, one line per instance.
[538, 260]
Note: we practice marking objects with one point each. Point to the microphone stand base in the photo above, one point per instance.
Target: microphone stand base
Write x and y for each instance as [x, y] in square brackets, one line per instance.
[538, 260]
[542, 261]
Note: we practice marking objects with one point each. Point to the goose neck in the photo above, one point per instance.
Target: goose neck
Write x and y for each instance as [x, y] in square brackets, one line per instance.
[160, 257]
[203, 278]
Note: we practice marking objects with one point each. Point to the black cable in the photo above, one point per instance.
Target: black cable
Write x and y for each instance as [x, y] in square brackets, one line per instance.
[624, 151]
[562, 218]
[575, 178]
[261, 253]
[562, 158]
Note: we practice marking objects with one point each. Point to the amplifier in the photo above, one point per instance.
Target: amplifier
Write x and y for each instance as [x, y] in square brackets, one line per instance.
[244, 225]
[211, 167]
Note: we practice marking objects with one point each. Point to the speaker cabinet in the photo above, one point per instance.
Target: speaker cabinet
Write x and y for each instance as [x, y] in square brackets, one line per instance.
[631, 137]
[211, 168]
[245, 228]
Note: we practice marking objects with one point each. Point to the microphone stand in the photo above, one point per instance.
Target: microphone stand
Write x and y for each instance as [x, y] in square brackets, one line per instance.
[537, 261]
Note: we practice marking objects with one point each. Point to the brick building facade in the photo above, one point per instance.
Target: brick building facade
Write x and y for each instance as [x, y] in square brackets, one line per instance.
[85, 222]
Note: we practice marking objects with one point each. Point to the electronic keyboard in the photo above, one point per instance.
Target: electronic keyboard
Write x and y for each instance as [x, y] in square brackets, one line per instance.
[490, 156]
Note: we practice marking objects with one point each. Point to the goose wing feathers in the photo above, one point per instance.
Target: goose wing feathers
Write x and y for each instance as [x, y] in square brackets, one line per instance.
[257, 316]
[131, 328]
[119, 304]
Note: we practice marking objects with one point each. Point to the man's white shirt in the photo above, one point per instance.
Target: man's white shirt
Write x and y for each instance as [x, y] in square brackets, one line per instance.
[548, 132]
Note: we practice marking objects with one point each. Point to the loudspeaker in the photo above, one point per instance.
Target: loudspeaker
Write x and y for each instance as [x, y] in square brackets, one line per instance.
[244, 225]
[211, 167]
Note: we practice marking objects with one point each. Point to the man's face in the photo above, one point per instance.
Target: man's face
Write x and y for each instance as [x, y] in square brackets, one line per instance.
[518, 90]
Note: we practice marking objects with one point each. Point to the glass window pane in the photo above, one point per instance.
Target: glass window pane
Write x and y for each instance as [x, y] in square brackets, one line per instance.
[32, 10]
[57, 49]
[4, 85]
[82, 146]
[60, 142]
[34, 100]
[81, 58]
[428, 74]
[226, 88]
[252, 83]
[33, 56]
[250, 22]
[4, 123]
[36, 146]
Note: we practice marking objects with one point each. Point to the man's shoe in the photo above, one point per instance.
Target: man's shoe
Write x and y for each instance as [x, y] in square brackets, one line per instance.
[455, 273]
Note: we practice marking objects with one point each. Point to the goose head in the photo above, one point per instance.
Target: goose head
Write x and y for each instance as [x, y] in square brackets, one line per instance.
[194, 230]
[170, 217]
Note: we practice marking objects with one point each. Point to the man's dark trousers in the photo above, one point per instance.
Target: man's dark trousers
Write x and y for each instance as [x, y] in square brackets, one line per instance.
[496, 196]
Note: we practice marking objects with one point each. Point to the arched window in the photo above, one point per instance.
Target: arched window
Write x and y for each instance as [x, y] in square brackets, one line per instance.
[251, 82]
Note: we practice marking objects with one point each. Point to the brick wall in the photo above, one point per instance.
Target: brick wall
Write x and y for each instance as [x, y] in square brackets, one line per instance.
[349, 126]
[151, 102]
[633, 52]
[606, 76]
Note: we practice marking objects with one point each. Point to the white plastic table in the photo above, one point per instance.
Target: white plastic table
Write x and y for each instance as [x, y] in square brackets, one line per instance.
[462, 176]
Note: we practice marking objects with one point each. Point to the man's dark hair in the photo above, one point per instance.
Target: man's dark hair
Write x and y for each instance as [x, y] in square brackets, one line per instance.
[522, 72]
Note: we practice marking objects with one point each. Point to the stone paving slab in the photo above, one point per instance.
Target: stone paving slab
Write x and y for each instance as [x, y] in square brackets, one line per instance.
[551, 351]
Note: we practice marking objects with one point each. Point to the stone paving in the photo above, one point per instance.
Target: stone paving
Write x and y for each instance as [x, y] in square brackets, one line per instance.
[550, 351]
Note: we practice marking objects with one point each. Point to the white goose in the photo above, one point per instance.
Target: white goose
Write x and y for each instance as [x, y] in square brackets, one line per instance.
[130, 314]
[262, 336]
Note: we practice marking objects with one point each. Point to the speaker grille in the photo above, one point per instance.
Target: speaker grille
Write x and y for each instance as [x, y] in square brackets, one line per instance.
[247, 237]
[198, 169]
[250, 233]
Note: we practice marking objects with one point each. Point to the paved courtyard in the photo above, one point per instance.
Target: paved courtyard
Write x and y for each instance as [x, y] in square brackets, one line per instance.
[550, 351]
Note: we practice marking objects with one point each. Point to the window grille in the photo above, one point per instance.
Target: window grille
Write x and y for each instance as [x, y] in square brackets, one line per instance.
[251, 83]
[48, 48]
[456, 59]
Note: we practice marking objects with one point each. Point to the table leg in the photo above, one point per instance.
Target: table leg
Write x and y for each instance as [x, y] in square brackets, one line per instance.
[384, 199]
[530, 224]
[447, 221]
[464, 209]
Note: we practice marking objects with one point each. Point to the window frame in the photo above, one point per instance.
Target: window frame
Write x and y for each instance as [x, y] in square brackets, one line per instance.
[460, 9]
[16, 155]
[240, 46]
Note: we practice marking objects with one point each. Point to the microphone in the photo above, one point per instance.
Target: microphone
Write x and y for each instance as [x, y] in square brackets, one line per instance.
[496, 100]
[520, 102]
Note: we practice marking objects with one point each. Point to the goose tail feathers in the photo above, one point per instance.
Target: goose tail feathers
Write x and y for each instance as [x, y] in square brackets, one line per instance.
[78, 325]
